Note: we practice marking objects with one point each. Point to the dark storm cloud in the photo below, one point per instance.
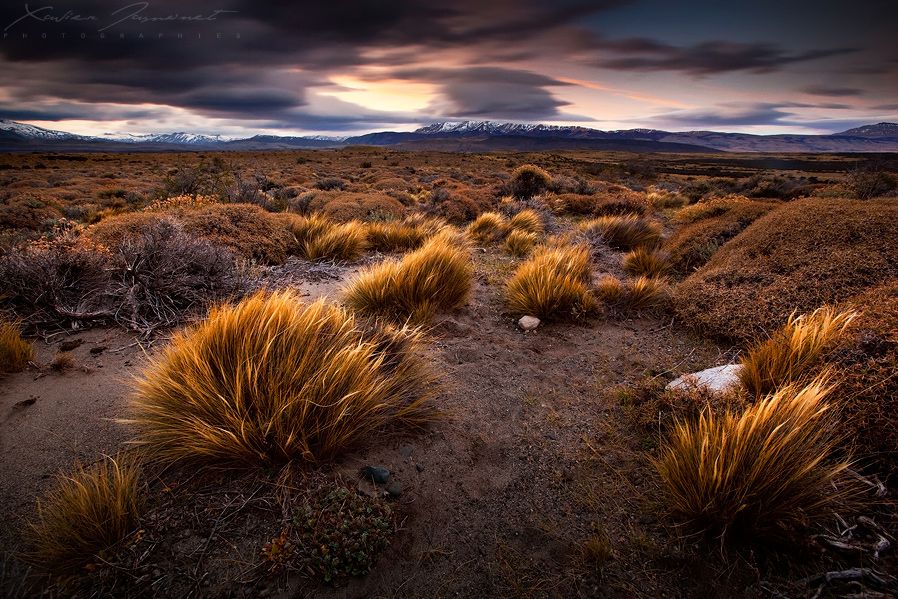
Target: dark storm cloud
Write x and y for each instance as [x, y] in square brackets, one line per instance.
[706, 58]
[492, 92]
[835, 92]
[748, 114]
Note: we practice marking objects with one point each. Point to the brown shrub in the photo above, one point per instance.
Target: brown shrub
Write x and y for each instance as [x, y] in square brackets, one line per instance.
[707, 226]
[347, 206]
[528, 180]
[246, 229]
[607, 203]
[113, 230]
[865, 363]
[803, 255]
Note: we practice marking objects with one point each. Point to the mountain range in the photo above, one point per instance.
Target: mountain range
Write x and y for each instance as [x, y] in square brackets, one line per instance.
[468, 136]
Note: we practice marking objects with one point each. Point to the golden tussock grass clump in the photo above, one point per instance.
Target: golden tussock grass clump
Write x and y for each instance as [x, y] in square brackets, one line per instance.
[552, 284]
[488, 227]
[624, 232]
[661, 199]
[269, 381]
[85, 516]
[306, 228]
[393, 236]
[435, 277]
[346, 241]
[518, 243]
[15, 352]
[756, 474]
[647, 262]
[787, 356]
[642, 294]
[528, 180]
[527, 220]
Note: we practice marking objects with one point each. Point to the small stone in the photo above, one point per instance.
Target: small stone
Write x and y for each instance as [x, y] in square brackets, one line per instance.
[719, 378]
[394, 489]
[98, 350]
[25, 403]
[419, 467]
[528, 323]
[378, 474]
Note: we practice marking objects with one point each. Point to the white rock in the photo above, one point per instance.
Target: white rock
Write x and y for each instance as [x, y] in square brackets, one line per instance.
[719, 378]
[528, 323]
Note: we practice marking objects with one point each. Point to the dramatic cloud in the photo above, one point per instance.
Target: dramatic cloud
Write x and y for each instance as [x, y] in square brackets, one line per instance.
[835, 92]
[279, 65]
[705, 58]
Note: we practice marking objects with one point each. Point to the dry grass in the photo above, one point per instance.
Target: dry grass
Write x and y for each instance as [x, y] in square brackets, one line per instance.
[624, 232]
[519, 243]
[610, 291]
[15, 352]
[528, 180]
[62, 362]
[527, 220]
[647, 262]
[269, 381]
[789, 354]
[340, 242]
[433, 278]
[757, 474]
[489, 227]
[86, 515]
[392, 236]
[306, 228]
[646, 295]
[552, 284]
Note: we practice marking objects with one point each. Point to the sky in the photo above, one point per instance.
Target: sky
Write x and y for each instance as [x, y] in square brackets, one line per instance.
[341, 67]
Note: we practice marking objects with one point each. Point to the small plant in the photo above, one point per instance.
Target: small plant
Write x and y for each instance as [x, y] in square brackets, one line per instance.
[646, 295]
[624, 232]
[341, 533]
[269, 381]
[789, 354]
[62, 361]
[757, 474]
[528, 180]
[489, 227]
[330, 184]
[403, 235]
[85, 516]
[15, 352]
[435, 277]
[340, 242]
[647, 262]
[552, 284]
[527, 220]
[519, 243]
[596, 551]
[610, 291]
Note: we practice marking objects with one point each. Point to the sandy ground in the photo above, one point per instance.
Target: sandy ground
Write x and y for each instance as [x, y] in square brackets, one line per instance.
[532, 458]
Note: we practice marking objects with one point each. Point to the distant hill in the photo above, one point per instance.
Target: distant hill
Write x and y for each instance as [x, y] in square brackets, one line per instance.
[470, 136]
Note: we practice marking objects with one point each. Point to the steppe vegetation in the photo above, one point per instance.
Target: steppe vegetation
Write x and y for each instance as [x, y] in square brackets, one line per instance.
[297, 319]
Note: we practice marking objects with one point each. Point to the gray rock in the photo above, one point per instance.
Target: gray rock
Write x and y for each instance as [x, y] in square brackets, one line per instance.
[528, 323]
[378, 474]
[719, 378]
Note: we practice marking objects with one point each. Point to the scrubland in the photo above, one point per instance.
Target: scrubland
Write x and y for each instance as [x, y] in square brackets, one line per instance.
[304, 374]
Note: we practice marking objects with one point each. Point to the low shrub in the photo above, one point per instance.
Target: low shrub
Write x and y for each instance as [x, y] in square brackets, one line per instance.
[552, 284]
[245, 229]
[758, 474]
[647, 262]
[433, 278]
[527, 181]
[15, 352]
[85, 516]
[319, 383]
[804, 254]
[789, 354]
[345, 206]
[518, 243]
[623, 232]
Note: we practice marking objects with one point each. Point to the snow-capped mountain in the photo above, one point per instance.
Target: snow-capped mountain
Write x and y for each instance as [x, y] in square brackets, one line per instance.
[469, 136]
[15, 129]
[180, 137]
